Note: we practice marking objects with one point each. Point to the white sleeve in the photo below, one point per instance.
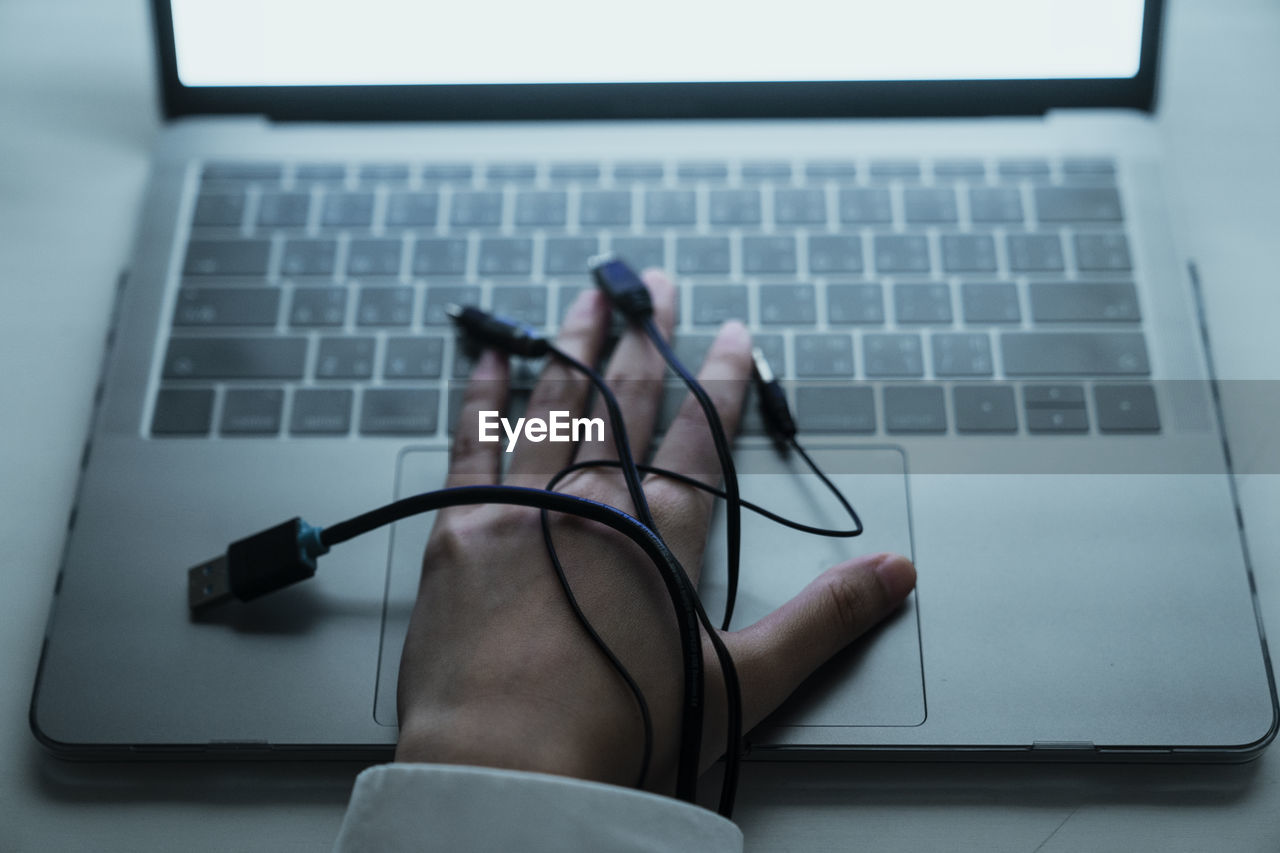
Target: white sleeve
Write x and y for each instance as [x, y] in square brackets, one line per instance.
[427, 807]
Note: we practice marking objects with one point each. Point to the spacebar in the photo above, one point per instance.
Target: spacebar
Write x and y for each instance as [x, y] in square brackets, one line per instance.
[1074, 354]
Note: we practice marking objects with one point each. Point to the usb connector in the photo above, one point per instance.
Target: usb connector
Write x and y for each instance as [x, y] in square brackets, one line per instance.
[623, 287]
[256, 565]
[774, 410]
[498, 332]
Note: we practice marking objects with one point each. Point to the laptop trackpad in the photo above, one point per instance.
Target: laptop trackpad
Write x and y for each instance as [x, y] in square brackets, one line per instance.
[876, 682]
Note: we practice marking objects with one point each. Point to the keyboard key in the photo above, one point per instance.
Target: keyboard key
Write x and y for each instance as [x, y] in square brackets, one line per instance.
[318, 306]
[799, 206]
[414, 358]
[735, 207]
[235, 358]
[961, 354]
[960, 168]
[1103, 253]
[1084, 302]
[569, 255]
[691, 349]
[1055, 408]
[640, 253]
[439, 297]
[446, 172]
[347, 210]
[575, 171]
[835, 408]
[1126, 408]
[968, 253]
[306, 257]
[990, 303]
[995, 204]
[521, 302]
[227, 306]
[511, 172]
[413, 209]
[284, 210]
[227, 257]
[476, 209]
[182, 411]
[892, 355]
[824, 169]
[1023, 167]
[901, 253]
[1078, 204]
[506, 256]
[638, 170]
[219, 209]
[769, 255]
[778, 170]
[985, 408]
[242, 171]
[320, 173]
[1088, 166]
[252, 411]
[394, 411]
[830, 253]
[374, 257]
[1034, 252]
[385, 306]
[914, 409]
[901, 169]
[702, 255]
[788, 304]
[702, 170]
[1053, 396]
[321, 411]
[384, 173]
[922, 303]
[862, 205]
[1074, 353]
[345, 358]
[859, 304]
[824, 355]
[542, 208]
[605, 207]
[670, 207]
[775, 351]
[440, 256]
[715, 303]
[929, 204]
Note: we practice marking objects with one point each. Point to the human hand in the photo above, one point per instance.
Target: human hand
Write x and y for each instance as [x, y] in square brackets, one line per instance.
[497, 672]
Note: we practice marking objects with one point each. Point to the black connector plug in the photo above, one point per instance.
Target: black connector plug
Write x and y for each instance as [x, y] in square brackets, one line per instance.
[773, 401]
[500, 333]
[256, 565]
[623, 287]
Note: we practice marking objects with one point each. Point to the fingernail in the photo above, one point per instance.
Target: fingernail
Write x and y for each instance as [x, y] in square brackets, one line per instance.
[897, 576]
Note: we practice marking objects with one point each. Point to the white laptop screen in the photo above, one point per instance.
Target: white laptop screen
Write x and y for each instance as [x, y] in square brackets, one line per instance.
[237, 43]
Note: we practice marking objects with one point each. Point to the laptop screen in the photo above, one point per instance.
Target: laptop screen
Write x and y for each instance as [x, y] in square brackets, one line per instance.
[587, 58]
[380, 42]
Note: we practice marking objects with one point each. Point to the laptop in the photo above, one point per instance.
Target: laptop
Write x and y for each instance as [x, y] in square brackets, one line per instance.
[944, 224]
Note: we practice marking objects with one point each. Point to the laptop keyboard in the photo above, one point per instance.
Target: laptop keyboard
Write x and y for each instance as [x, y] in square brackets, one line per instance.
[959, 295]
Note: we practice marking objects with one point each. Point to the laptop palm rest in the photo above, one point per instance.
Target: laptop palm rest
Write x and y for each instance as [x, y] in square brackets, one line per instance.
[877, 682]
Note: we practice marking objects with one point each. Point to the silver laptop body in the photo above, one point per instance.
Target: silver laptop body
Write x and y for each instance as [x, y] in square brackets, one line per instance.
[1028, 414]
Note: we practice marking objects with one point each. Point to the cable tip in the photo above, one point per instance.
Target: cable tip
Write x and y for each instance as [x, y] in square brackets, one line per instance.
[454, 310]
[762, 369]
[596, 261]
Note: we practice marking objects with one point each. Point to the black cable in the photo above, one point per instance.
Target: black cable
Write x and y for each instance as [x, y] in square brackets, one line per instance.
[683, 597]
[733, 503]
[746, 504]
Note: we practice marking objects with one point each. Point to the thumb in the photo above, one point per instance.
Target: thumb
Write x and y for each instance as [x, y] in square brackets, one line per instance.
[776, 654]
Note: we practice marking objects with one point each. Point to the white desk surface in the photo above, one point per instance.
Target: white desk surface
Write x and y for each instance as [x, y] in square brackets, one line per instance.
[77, 114]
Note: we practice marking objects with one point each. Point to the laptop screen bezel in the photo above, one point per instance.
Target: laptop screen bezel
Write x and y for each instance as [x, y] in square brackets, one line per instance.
[501, 102]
